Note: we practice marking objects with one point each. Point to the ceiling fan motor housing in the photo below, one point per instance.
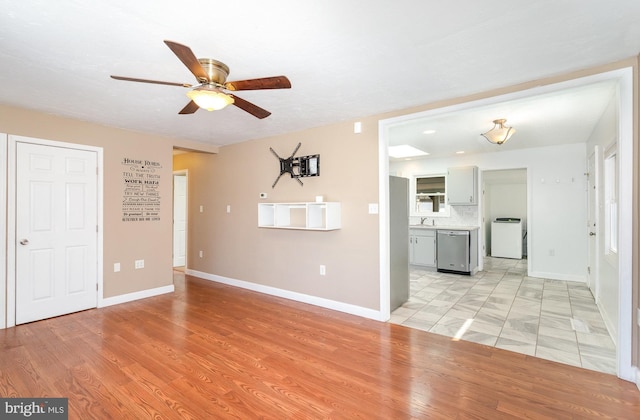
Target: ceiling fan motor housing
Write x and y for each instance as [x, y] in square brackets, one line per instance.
[217, 71]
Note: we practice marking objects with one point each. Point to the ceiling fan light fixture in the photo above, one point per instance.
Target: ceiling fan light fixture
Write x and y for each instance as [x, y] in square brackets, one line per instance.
[500, 133]
[210, 99]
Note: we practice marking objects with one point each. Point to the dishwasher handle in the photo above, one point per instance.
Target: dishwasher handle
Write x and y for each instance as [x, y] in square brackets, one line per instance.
[454, 232]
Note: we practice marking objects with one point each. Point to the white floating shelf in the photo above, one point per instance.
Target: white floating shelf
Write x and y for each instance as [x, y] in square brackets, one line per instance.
[303, 216]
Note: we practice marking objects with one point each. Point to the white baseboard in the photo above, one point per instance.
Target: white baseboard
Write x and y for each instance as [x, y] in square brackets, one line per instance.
[287, 294]
[609, 324]
[557, 276]
[129, 297]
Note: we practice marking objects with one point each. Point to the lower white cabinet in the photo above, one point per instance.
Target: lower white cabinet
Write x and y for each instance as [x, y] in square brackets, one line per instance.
[304, 216]
[422, 247]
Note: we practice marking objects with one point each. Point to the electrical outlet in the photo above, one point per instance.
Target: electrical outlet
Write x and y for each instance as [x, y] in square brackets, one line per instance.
[201, 253]
[228, 208]
[116, 267]
[323, 270]
[139, 264]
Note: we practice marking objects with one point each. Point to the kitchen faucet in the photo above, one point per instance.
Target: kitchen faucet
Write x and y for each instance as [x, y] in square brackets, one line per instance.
[422, 219]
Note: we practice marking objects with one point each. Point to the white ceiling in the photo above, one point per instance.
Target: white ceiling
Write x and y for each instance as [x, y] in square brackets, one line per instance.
[563, 116]
[345, 59]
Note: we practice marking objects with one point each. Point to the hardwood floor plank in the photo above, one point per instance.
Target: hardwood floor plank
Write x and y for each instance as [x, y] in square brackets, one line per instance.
[214, 351]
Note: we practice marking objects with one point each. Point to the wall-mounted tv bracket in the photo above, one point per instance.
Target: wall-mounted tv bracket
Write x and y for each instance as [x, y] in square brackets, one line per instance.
[305, 165]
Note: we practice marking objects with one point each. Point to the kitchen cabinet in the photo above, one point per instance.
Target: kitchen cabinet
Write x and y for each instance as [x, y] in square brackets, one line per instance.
[304, 216]
[462, 186]
[422, 247]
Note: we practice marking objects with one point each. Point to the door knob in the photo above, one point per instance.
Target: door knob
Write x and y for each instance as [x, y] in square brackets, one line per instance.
[24, 242]
[592, 234]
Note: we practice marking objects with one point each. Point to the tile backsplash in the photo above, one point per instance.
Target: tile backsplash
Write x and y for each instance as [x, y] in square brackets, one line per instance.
[459, 216]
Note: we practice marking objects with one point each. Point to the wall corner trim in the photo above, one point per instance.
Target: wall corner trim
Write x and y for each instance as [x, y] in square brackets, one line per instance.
[298, 297]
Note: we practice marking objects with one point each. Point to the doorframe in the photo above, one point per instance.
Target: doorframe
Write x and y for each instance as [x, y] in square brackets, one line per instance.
[185, 173]
[593, 281]
[13, 140]
[3, 239]
[625, 77]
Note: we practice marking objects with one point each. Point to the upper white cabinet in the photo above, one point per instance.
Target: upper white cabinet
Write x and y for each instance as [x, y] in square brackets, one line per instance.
[305, 216]
[462, 186]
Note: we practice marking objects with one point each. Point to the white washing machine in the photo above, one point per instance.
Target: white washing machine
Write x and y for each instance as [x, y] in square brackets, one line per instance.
[506, 238]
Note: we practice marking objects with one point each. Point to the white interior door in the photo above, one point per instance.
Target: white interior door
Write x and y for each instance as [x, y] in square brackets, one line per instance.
[56, 231]
[179, 219]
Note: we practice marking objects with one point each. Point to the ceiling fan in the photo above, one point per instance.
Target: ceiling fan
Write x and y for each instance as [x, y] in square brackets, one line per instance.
[210, 93]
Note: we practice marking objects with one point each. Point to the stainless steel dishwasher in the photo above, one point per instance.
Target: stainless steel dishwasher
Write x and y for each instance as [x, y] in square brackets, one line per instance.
[454, 251]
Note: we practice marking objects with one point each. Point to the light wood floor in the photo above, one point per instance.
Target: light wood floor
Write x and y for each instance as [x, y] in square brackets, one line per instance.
[212, 351]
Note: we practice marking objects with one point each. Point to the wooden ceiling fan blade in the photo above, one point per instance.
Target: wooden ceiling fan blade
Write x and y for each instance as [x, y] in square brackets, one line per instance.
[189, 59]
[155, 82]
[252, 109]
[276, 82]
[190, 108]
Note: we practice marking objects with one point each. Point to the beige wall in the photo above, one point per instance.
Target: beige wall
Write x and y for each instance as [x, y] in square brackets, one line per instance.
[124, 242]
[233, 245]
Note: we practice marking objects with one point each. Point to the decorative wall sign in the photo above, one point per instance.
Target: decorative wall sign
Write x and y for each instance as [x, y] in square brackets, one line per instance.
[298, 167]
[141, 194]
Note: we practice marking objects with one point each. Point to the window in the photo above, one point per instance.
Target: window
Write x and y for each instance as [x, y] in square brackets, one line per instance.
[611, 200]
[430, 195]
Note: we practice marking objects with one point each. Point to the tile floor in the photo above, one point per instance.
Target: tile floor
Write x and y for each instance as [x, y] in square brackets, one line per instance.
[550, 319]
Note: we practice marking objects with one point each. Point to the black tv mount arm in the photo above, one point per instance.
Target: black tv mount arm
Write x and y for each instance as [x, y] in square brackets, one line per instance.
[287, 165]
[305, 165]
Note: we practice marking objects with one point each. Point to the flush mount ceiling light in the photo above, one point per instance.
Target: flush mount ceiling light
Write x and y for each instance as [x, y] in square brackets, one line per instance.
[209, 98]
[499, 133]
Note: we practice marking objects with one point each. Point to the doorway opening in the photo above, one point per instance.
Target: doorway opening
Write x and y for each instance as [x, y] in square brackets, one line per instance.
[504, 212]
[624, 126]
[180, 192]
